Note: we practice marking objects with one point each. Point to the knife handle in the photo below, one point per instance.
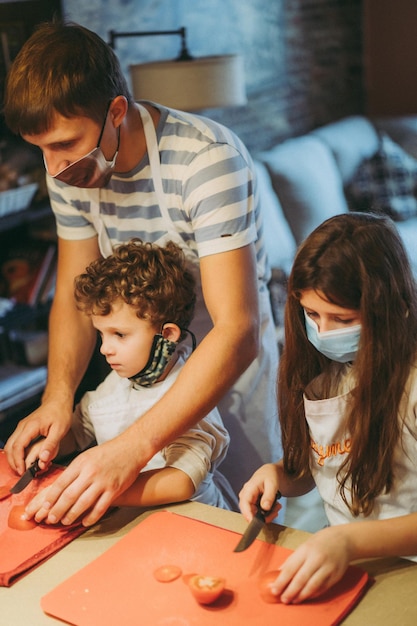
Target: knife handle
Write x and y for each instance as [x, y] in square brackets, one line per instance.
[34, 468]
[261, 510]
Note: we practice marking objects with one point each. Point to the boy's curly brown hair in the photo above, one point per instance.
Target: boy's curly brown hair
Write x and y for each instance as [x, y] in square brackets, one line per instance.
[154, 280]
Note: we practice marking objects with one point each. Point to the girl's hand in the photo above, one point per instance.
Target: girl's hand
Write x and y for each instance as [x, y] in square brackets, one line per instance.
[265, 483]
[314, 567]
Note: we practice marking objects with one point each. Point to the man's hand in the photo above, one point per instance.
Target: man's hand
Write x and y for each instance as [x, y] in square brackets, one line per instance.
[88, 486]
[50, 422]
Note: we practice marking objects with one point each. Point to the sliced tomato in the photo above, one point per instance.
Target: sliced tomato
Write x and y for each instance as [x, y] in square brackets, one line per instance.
[206, 589]
[17, 521]
[264, 586]
[167, 573]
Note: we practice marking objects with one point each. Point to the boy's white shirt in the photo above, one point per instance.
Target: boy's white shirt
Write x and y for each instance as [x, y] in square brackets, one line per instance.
[107, 411]
[330, 445]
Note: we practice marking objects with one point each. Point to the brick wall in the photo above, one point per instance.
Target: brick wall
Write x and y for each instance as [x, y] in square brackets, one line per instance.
[303, 58]
[318, 81]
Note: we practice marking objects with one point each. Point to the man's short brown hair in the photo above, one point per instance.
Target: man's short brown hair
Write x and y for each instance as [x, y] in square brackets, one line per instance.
[64, 68]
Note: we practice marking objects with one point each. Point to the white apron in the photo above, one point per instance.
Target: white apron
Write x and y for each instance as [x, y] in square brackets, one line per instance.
[249, 409]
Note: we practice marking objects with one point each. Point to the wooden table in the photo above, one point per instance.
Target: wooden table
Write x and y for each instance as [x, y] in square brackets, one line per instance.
[391, 600]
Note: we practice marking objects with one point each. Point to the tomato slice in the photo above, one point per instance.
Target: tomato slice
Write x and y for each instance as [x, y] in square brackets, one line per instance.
[206, 589]
[167, 573]
[17, 521]
[264, 586]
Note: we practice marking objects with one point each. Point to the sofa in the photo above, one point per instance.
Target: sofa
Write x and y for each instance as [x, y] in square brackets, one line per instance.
[356, 163]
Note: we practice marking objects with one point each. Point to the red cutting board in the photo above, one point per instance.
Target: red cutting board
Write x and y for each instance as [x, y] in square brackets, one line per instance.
[21, 550]
[119, 587]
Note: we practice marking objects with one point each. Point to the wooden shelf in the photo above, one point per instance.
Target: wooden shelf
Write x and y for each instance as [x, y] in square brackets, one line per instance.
[32, 214]
[18, 383]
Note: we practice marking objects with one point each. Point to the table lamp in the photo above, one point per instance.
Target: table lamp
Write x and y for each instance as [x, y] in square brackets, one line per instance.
[187, 83]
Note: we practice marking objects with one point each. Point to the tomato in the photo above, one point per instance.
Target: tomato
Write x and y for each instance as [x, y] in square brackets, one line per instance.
[264, 586]
[206, 589]
[17, 521]
[167, 573]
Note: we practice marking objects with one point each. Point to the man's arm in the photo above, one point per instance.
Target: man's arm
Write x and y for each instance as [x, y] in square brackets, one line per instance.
[71, 342]
[97, 476]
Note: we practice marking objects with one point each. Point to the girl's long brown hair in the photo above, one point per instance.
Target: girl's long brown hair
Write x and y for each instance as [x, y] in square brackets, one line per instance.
[357, 261]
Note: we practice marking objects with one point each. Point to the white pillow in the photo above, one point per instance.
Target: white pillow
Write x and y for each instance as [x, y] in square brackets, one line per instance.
[307, 182]
[278, 238]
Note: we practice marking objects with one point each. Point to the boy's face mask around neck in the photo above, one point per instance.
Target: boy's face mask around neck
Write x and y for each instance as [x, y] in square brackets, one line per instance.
[339, 345]
[162, 351]
[160, 355]
[92, 170]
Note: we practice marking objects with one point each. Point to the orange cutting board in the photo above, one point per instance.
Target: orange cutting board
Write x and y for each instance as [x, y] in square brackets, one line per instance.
[119, 587]
[21, 550]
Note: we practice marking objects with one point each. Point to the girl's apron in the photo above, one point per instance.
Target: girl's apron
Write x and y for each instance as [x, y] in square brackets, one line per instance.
[249, 409]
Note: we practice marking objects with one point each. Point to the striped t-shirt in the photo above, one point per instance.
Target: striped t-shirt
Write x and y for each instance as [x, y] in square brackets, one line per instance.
[208, 182]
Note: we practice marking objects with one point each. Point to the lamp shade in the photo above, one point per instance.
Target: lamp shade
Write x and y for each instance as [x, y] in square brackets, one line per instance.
[202, 83]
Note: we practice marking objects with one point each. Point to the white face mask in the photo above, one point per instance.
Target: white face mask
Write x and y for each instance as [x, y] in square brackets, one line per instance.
[339, 345]
[89, 172]
[92, 170]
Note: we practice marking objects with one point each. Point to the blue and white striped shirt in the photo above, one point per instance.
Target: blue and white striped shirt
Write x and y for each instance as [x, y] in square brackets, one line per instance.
[210, 191]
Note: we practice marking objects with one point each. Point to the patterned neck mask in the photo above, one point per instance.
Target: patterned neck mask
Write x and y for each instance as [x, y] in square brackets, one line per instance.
[160, 355]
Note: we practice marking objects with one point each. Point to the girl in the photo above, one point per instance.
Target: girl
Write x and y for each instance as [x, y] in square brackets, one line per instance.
[347, 392]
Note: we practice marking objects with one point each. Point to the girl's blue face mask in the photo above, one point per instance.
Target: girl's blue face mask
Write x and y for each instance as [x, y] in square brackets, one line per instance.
[339, 345]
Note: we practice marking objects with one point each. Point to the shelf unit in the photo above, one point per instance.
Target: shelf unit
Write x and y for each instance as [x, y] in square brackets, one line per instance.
[21, 385]
[28, 216]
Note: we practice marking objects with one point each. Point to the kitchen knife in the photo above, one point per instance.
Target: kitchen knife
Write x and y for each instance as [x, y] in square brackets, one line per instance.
[26, 478]
[255, 526]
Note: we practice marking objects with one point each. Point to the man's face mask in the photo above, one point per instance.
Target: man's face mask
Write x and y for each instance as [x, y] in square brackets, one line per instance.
[92, 170]
[339, 345]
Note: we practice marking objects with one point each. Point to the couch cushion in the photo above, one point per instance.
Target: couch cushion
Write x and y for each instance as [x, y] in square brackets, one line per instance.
[401, 129]
[351, 140]
[408, 232]
[307, 182]
[385, 183]
[279, 241]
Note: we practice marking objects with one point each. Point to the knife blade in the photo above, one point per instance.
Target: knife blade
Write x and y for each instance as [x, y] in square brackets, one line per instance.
[26, 478]
[255, 526]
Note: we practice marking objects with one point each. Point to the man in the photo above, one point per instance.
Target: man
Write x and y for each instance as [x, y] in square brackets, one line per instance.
[118, 169]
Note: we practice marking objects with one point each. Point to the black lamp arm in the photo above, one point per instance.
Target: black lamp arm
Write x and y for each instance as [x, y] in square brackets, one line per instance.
[184, 55]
